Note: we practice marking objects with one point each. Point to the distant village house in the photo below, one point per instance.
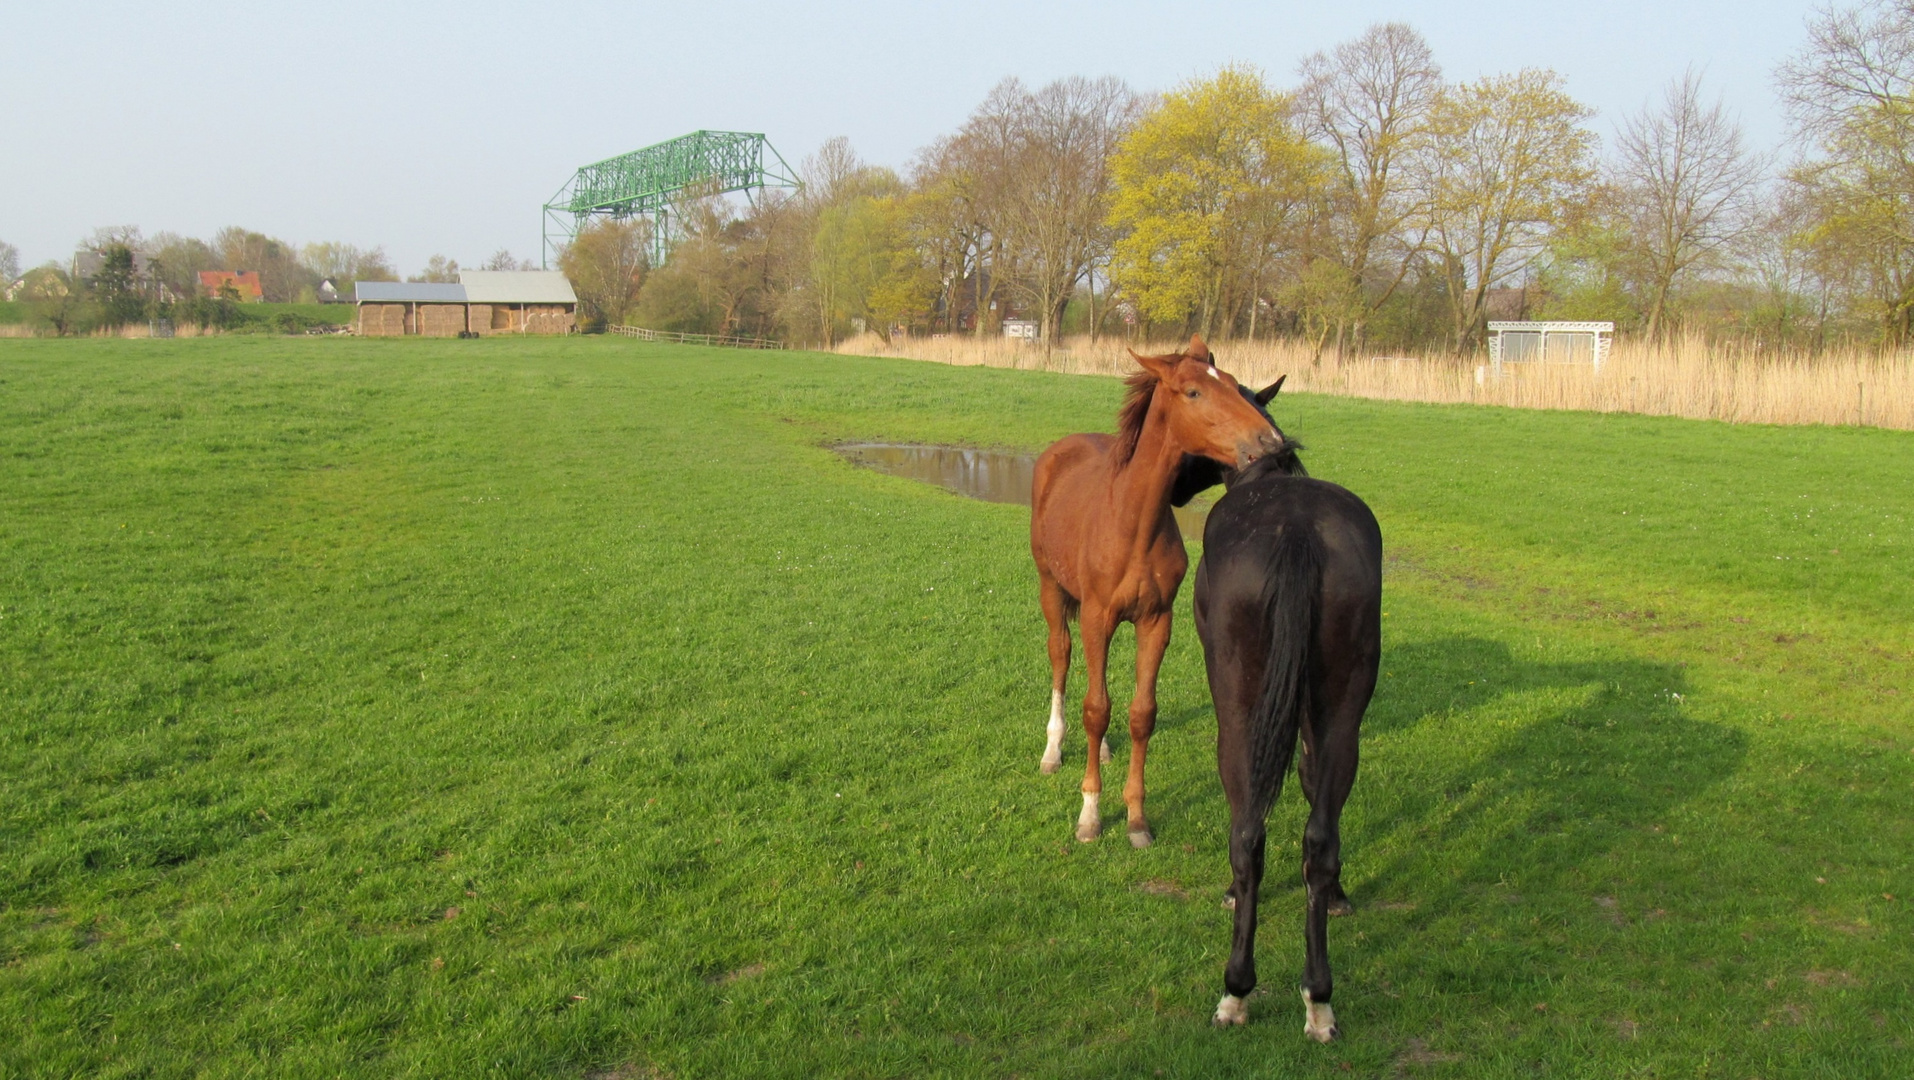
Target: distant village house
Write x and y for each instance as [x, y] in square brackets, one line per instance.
[244, 282]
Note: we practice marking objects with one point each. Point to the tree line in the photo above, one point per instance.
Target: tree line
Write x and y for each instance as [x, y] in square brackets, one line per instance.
[1371, 204]
[119, 276]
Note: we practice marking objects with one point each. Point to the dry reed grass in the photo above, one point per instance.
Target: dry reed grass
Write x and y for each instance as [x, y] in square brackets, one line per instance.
[1691, 378]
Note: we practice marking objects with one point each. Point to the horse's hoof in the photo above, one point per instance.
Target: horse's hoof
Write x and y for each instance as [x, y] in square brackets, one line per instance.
[1141, 838]
[1050, 765]
[1341, 906]
[1231, 1010]
[1089, 833]
[1103, 753]
[1319, 1021]
[1229, 902]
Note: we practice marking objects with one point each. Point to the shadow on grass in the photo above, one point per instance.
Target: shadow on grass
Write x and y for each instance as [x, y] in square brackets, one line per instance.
[1523, 772]
[1519, 770]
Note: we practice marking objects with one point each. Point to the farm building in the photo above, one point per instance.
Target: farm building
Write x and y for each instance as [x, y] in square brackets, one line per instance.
[481, 303]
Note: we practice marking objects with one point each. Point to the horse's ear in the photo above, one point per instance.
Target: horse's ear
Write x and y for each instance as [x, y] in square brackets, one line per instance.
[1268, 393]
[1159, 366]
[1197, 350]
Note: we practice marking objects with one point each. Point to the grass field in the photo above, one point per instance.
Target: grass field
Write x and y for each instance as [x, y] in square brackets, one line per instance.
[562, 708]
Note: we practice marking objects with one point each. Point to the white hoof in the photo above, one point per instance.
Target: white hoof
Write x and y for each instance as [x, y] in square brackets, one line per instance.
[1231, 1010]
[1229, 901]
[1319, 1022]
[1103, 754]
[1051, 763]
[1141, 838]
[1089, 825]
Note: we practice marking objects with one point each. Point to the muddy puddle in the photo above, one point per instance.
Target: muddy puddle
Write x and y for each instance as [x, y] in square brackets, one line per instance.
[991, 475]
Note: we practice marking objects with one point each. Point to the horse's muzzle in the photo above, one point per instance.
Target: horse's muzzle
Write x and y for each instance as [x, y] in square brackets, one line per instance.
[1265, 443]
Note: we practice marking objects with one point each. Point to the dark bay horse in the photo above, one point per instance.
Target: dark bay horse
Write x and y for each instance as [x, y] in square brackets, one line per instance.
[1289, 608]
[1108, 550]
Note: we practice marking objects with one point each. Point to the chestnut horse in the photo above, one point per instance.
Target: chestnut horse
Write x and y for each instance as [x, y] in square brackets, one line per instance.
[1108, 550]
[1289, 608]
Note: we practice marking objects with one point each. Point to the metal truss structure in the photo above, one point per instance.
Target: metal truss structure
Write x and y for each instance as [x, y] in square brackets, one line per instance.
[649, 182]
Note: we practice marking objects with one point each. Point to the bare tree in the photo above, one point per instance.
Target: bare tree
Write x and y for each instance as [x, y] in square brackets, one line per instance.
[1369, 103]
[1690, 189]
[505, 260]
[1055, 191]
[1506, 156]
[9, 265]
[1849, 95]
[606, 264]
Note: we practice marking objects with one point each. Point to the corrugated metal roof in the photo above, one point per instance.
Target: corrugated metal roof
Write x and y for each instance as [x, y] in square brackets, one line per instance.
[408, 292]
[517, 287]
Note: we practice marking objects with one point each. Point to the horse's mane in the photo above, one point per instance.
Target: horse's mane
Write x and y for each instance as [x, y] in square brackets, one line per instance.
[1135, 410]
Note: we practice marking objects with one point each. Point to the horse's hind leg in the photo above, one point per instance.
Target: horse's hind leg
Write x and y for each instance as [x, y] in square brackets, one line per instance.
[1306, 774]
[1152, 638]
[1056, 612]
[1333, 774]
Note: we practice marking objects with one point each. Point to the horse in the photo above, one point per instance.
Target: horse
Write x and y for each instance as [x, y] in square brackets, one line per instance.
[1289, 609]
[1108, 550]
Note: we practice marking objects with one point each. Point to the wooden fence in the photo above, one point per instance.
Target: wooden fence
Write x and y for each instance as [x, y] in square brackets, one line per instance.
[643, 334]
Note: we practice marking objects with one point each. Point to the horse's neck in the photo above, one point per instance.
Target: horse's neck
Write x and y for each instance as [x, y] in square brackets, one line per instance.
[1142, 485]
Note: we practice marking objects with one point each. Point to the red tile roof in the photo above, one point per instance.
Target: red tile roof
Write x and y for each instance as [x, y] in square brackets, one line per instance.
[245, 281]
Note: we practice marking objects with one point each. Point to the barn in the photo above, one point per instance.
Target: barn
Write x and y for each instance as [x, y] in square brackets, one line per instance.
[481, 303]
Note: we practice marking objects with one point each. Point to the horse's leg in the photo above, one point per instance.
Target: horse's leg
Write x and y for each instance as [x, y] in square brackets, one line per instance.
[1152, 638]
[1333, 772]
[1095, 624]
[1056, 612]
[1306, 774]
[1246, 831]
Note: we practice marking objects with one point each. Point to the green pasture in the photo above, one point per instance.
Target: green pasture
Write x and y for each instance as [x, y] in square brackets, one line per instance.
[564, 709]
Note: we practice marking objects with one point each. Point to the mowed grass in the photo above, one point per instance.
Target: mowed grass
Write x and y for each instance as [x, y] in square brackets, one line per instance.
[563, 708]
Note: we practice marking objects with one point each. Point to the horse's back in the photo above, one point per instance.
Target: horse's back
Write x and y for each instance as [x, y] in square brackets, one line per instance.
[1254, 518]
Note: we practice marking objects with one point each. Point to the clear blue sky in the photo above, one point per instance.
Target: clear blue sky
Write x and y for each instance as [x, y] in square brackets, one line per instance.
[441, 128]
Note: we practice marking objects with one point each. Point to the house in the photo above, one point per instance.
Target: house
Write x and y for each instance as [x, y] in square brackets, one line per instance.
[244, 282]
[328, 291]
[480, 304]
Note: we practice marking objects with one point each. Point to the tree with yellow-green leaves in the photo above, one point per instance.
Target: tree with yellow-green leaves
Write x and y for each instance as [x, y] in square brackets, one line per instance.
[1506, 157]
[1210, 200]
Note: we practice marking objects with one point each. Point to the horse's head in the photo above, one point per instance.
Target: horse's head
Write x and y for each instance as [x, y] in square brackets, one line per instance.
[1199, 474]
[1207, 413]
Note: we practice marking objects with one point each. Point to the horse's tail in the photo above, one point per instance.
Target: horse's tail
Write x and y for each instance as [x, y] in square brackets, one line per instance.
[1294, 599]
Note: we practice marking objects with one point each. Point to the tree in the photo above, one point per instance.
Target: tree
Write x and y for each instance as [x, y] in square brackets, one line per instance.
[9, 265]
[1052, 152]
[1850, 95]
[1689, 188]
[1369, 103]
[606, 264]
[116, 289]
[1506, 156]
[281, 275]
[177, 261]
[1208, 190]
[54, 300]
[505, 260]
[438, 269]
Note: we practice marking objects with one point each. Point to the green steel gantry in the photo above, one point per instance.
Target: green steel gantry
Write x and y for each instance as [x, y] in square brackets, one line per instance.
[648, 182]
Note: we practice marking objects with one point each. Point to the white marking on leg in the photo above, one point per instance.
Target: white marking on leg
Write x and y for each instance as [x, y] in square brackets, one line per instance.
[1053, 747]
[1103, 752]
[1089, 825]
[1231, 1010]
[1319, 1021]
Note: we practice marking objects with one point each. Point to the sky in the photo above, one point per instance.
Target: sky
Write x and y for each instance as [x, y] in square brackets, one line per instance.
[441, 128]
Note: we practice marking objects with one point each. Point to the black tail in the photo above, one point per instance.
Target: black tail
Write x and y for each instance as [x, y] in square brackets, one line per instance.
[1294, 599]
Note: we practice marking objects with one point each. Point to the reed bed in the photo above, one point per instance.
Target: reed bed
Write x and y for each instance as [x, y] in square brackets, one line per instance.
[1690, 378]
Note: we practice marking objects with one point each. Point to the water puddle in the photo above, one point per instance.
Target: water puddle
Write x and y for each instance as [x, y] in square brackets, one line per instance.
[998, 476]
